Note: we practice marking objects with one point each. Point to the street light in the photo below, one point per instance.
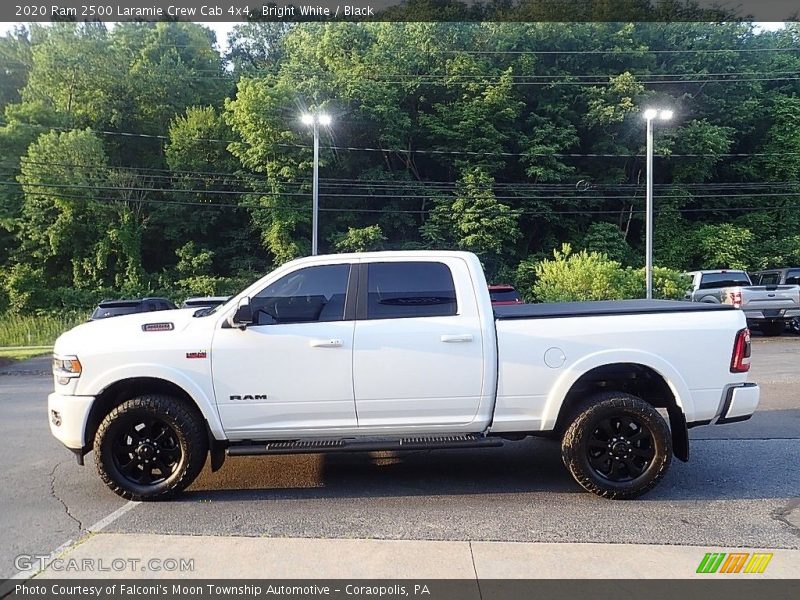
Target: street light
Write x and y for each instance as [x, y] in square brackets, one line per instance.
[315, 120]
[649, 115]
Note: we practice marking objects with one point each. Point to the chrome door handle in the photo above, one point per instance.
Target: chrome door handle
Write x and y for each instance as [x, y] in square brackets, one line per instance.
[451, 339]
[333, 343]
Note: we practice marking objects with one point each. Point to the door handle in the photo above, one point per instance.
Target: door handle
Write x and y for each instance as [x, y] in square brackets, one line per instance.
[332, 343]
[451, 339]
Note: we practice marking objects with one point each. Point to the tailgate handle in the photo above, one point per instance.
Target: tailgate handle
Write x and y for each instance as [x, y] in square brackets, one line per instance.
[452, 339]
[332, 343]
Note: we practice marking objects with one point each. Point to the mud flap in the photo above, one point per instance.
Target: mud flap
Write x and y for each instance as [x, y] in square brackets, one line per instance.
[680, 433]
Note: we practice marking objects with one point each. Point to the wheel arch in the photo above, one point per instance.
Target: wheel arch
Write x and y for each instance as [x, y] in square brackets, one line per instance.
[116, 392]
[645, 376]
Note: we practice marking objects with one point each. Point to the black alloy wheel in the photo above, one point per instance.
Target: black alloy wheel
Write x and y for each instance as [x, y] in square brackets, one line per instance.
[145, 449]
[620, 449]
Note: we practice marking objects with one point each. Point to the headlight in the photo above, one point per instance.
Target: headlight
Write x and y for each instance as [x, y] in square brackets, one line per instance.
[66, 367]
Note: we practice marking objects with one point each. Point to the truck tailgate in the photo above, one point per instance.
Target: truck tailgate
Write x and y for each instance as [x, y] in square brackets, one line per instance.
[759, 297]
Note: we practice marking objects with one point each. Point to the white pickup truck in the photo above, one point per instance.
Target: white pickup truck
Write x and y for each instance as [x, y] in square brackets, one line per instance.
[396, 351]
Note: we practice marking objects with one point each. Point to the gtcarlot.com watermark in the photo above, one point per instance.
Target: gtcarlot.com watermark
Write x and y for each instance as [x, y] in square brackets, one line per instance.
[36, 562]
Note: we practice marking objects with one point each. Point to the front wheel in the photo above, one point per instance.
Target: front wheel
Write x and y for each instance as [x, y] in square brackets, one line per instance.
[617, 446]
[150, 447]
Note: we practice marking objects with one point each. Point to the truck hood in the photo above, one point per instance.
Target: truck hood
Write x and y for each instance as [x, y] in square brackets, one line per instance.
[112, 332]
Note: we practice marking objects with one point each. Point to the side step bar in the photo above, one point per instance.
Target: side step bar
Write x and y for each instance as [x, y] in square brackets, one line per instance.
[370, 445]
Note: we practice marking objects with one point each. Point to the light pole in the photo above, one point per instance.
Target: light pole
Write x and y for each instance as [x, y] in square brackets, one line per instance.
[649, 115]
[315, 120]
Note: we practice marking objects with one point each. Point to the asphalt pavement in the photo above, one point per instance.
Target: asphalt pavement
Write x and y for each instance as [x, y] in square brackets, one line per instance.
[741, 487]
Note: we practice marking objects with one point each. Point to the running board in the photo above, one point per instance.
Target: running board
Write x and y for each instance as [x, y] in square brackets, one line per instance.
[370, 445]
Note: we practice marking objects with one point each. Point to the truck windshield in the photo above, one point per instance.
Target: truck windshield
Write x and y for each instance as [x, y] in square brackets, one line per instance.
[724, 279]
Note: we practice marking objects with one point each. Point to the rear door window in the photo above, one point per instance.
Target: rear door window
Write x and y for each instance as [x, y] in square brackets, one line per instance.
[398, 290]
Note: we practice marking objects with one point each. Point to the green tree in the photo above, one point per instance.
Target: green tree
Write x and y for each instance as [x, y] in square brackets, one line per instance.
[726, 246]
[475, 221]
[608, 239]
[363, 239]
[15, 52]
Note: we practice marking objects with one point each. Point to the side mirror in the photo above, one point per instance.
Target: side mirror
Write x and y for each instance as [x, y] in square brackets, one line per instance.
[243, 315]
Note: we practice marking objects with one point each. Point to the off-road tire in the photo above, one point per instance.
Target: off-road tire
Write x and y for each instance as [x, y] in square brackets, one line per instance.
[187, 428]
[584, 426]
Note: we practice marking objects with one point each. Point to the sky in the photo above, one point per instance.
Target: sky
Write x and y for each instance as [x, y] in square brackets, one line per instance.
[221, 29]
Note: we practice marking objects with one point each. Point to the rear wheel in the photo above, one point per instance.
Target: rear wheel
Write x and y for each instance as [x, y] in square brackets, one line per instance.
[772, 328]
[794, 325]
[150, 447]
[617, 446]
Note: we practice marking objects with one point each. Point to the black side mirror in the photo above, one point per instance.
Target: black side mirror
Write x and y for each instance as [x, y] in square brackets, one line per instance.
[243, 315]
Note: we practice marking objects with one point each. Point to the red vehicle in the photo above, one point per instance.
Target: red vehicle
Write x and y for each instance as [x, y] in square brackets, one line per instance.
[502, 295]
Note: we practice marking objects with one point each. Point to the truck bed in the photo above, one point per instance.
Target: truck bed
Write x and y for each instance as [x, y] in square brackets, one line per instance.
[603, 308]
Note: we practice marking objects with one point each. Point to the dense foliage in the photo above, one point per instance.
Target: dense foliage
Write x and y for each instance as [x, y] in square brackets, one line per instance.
[139, 160]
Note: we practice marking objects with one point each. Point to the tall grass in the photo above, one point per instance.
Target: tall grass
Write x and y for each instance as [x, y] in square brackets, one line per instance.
[36, 330]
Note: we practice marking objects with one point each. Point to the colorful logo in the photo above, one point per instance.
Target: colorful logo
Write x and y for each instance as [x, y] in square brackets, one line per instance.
[734, 562]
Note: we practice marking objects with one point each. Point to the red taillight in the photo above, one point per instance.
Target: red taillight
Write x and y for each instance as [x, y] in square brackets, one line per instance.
[740, 361]
[736, 299]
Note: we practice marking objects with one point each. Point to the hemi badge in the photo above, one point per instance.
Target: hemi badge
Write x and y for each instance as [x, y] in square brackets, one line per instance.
[158, 327]
[196, 354]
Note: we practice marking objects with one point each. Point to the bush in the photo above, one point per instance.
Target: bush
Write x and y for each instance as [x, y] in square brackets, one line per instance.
[580, 276]
[586, 276]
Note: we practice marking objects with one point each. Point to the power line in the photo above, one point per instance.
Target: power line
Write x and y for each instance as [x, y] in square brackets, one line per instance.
[628, 51]
[408, 211]
[416, 196]
[421, 150]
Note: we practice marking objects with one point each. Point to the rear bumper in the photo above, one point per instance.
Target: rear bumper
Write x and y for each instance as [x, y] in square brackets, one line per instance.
[739, 404]
[68, 416]
[773, 315]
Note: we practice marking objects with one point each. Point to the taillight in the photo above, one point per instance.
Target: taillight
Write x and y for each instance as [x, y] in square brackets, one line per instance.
[736, 299]
[740, 361]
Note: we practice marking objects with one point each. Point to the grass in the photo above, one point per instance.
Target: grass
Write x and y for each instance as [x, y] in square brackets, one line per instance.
[15, 354]
[35, 330]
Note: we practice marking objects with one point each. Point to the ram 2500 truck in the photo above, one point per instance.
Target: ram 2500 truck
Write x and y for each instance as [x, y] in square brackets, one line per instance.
[396, 351]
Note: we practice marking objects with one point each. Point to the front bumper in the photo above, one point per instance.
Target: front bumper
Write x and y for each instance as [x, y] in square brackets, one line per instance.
[739, 404]
[68, 416]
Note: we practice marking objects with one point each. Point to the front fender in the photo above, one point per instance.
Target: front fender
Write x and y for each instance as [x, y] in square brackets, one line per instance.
[564, 383]
[204, 399]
